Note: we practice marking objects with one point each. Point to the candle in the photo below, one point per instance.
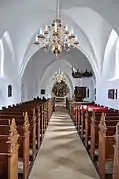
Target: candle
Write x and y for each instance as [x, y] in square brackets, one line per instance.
[41, 31]
[46, 28]
[36, 38]
[72, 32]
[55, 27]
[76, 39]
[66, 28]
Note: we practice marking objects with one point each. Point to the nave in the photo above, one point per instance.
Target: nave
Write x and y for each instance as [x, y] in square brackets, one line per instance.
[62, 154]
[53, 50]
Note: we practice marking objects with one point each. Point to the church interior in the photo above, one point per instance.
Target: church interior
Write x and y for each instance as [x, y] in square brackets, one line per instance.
[59, 89]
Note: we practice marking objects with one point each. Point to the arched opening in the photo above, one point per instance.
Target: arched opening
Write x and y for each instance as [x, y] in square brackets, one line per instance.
[38, 73]
[9, 90]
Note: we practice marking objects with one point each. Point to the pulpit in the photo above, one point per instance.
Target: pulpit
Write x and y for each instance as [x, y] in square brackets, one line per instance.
[80, 93]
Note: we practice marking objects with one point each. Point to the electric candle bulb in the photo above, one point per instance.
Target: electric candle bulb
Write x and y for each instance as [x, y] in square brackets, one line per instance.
[41, 31]
[36, 38]
[76, 39]
[55, 27]
[46, 28]
[72, 31]
[66, 28]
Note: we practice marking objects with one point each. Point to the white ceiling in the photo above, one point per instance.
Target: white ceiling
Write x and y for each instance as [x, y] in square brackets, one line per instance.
[93, 21]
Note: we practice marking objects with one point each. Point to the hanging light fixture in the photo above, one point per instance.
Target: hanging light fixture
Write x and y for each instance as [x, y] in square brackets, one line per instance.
[56, 37]
[59, 76]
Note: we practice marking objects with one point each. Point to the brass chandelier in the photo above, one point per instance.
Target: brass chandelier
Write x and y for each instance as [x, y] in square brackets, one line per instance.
[59, 76]
[56, 37]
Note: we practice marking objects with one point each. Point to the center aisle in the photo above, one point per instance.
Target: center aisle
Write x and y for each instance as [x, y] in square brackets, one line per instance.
[62, 154]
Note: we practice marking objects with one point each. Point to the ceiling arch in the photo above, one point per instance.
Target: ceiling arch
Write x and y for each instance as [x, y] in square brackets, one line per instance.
[110, 56]
[87, 43]
[74, 58]
[83, 38]
[40, 69]
[50, 82]
[92, 62]
[22, 26]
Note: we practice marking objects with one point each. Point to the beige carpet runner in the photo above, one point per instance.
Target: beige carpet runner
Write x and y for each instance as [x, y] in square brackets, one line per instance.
[62, 154]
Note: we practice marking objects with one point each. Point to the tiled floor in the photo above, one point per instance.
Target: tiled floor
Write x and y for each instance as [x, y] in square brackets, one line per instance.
[62, 154]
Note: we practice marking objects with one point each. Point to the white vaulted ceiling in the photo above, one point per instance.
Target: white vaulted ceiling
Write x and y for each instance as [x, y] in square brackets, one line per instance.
[92, 20]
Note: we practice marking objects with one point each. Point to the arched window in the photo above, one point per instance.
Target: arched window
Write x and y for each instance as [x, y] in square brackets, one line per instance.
[95, 93]
[9, 90]
[87, 93]
[116, 93]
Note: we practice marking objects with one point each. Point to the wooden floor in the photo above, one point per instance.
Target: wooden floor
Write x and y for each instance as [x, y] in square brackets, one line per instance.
[62, 154]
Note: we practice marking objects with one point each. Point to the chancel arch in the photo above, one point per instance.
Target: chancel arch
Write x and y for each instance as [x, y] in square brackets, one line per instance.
[45, 69]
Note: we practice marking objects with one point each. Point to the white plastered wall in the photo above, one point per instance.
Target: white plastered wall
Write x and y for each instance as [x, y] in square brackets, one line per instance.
[42, 66]
[8, 71]
[110, 75]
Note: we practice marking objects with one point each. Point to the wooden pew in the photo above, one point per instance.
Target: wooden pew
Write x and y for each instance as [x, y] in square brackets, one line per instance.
[116, 154]
[44, 112]
[77, 113]
[67, 103]
[91, 128]
[18, 113]
[107, 130]
[78, 119]
[34, 122]
[86, 127]
[71, 110]
[38, 118]
[95, 120]
[9, 151]
[88, 115]
[38, 121]
[51, 107]
[23, 130]
[33, 141]
[82, 124]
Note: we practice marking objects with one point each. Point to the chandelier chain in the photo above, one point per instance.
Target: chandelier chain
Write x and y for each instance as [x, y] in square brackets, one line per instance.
[56, 36]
